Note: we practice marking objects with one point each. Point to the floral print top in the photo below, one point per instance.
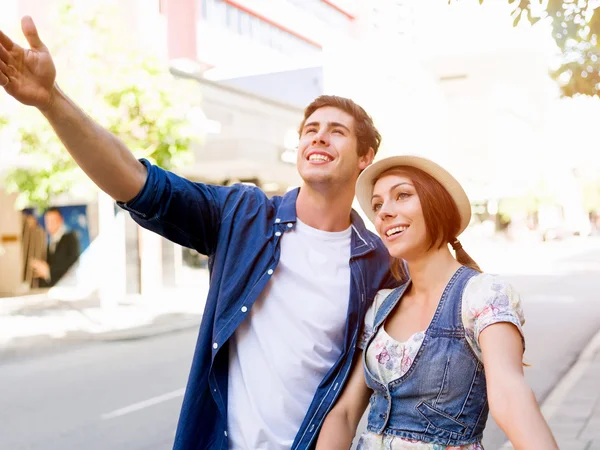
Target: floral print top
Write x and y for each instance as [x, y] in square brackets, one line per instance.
[487, 299]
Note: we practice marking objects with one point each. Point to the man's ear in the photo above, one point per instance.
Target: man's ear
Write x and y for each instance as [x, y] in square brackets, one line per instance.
[366, 160]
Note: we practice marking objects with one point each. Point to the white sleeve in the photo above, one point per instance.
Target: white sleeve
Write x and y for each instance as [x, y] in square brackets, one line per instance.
[488, 299]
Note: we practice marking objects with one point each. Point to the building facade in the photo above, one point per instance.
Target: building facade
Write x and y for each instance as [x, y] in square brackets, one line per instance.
[245, 134]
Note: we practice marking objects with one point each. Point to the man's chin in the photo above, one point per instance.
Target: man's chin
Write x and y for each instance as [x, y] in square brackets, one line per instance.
[316, 173]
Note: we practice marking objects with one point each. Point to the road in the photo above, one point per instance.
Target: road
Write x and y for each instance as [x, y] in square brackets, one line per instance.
[127, 395]
[124, 395]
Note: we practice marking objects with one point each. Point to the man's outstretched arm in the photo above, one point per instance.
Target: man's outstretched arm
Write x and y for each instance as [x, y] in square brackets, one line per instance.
[29, 75]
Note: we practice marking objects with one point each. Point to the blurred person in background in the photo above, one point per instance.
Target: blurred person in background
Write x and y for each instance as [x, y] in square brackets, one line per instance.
[62, 251]
[446, 346]
[291, 277]
[33, 247]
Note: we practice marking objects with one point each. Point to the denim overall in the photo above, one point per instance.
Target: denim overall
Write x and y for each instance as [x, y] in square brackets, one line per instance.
[442, 398]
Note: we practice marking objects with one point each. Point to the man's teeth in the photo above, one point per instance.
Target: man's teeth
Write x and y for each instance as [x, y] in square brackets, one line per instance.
[318, 157]
[395, 230]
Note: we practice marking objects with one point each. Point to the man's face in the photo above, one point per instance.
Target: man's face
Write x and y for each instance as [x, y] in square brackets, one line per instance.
[327, 151]
[53, 221]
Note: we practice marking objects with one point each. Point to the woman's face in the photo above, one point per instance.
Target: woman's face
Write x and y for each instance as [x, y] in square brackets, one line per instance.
[399, 217]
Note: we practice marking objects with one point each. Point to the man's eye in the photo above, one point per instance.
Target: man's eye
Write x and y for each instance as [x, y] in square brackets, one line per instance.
[310, 130]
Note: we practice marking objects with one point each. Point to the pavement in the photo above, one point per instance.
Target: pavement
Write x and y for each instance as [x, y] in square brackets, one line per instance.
[573, 407]
[32, 322]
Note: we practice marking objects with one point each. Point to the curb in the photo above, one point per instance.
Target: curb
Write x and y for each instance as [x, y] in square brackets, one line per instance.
[554, 400]
[573, 375]
[146, 331]
[39, 344]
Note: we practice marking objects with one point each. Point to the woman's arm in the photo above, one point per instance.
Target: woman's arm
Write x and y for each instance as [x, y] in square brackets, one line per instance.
[512, 403]
[340, 424]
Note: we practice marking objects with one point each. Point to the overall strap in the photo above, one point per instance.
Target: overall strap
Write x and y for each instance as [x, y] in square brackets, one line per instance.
[449, 312]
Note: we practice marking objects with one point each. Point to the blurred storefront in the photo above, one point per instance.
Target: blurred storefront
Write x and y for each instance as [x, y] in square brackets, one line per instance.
[456, 84]
[229, 48]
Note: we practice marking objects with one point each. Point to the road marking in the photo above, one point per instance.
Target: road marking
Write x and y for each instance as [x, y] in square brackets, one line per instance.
[144, 404]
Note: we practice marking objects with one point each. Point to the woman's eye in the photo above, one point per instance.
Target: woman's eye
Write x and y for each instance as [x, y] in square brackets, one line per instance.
[402, 196]
[376, 207]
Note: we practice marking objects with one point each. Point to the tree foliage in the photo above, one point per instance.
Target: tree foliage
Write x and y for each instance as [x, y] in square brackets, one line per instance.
[120, 85]
[576, 31]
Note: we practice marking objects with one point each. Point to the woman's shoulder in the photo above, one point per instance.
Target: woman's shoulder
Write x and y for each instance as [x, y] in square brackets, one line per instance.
[488, 293]
[489, 283]
[489, 299]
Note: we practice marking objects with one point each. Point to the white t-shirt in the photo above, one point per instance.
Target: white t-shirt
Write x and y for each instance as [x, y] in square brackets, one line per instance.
[292, 337]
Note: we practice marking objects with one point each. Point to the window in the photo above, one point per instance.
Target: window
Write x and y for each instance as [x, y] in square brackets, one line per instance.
[244, 29]
[232, 17]
[323, 11]
[252, 27]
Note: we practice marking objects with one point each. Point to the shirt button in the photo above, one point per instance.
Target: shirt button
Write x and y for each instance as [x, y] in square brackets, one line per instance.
[215, 346]
[278, 233]
[226, 434]
[270, 271]
[244, 309]
[277, 220]
[290, 225]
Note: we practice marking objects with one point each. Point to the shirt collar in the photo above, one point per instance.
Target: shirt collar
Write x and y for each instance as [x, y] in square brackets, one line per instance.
[286, 213]
[56, 237]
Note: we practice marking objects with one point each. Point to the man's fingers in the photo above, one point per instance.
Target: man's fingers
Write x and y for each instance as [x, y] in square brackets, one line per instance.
[4, 80]
[3, 65]
[31, 33]
[4, 55]
[5, 41]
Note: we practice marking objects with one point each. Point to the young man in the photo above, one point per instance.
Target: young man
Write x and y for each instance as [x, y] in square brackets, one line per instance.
[291, 277]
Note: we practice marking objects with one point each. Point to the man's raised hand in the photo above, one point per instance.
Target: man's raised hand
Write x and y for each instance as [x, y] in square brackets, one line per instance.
[27, 74]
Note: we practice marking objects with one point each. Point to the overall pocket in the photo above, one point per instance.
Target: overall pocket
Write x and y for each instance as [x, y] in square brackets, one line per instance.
[440, 420]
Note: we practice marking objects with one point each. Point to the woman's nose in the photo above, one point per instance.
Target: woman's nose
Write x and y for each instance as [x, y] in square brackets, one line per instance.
[385, 211]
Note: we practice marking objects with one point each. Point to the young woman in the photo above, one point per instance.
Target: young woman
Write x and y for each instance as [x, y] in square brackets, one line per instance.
[445, 347]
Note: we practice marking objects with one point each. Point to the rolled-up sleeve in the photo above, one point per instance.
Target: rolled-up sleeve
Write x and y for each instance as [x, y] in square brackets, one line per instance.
[182, 211]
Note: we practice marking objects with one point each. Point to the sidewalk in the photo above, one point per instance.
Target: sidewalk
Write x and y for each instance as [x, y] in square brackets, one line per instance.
[573, 407]
[34, 323]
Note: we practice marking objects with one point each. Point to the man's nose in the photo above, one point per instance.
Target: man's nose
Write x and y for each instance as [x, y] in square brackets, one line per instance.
[321, 138]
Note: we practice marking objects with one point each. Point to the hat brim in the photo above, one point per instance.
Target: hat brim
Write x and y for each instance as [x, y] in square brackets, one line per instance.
[366, 181]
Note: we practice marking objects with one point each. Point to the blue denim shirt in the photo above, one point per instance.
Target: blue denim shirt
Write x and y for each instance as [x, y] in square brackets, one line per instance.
[442, 398]
[240, 229]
